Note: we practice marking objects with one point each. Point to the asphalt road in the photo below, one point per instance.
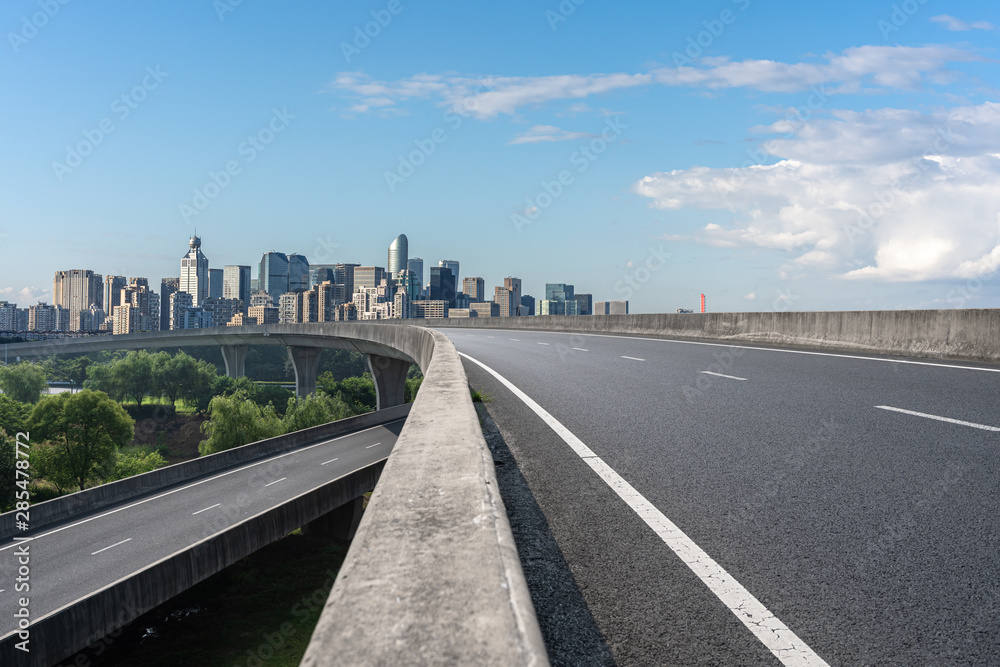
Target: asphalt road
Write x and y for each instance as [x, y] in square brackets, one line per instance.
[69, 561]
[872, 534]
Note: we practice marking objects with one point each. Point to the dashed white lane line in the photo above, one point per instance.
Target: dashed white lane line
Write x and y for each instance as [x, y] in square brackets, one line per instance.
[275, 481]
[543, 343]
[775, 635]
[516, 340]
[206, 509]
[111, 547]
[731, 377]
[633, 358]
[375, 445]
[330, 461]
[580, 349]
[983, 427]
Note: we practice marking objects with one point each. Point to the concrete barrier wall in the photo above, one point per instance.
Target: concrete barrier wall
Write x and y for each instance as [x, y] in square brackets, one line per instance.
[970, 335]
[433, 576]
[62, 633]
[100, 497]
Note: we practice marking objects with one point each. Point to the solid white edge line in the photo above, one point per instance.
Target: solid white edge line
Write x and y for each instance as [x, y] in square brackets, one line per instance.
[775, 635]
[983, 427]
[206, 509]
[112, 546]
[747, 347]
[731, 377]
[189, 486]
[275, 481]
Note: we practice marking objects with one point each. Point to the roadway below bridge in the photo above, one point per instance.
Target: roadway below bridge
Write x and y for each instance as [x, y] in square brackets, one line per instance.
[727, 505]
[74, 559]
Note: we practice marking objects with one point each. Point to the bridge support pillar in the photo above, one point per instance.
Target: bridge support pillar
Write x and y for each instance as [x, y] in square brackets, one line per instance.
[390, 380]
[235, 357]
[338, 525]
[305, 360]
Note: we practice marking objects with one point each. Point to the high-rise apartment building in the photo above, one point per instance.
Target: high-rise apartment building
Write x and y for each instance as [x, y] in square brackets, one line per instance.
[504, 298]
[514, 285]
[215, 283]
[475, 289]
[194, 272]
[168, 286]
[344, 282]
[76, 291]
[236, 282]
[113, 286]
[8, 316]
[399, 251]
[42, 317]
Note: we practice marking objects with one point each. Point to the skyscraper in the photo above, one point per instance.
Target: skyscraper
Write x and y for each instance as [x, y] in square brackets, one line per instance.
[273, 275]
[514, 285]
[367, 276]
[443, 285]
[77, 290]
[215, 280]
[453, 265]
[113, 286]
[236, 283]
[194, 272]
[475, 289]
[399, 251]
[298, 273]
[168, 286]
[416, 264]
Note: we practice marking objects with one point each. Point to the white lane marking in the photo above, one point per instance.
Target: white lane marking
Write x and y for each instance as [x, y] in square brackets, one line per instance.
[206, 509]
[543, 343]
[633, 358]
[204, 481]
[491, 336]
[762, 349]
[275, 481]
[111, 547]
[516, 340]
[375, 445]
[325, 462]
[940, 419]
[731, 377]
[775, 635]
[580, 349]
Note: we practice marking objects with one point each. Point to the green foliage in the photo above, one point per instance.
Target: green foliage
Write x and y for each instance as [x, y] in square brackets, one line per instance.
[83, 432]
[135, 461]
[183, 376]
[272, 394]
[410, 391]
[134, 374]
[357, 392]
[13, 415]
[101, 377]
[235, 421]
[312, 411]
[8, 472]
[23, 382]
[478, 397]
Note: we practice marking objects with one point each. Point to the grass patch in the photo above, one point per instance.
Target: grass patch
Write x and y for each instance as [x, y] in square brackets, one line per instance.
[262, 609]
[479, 397]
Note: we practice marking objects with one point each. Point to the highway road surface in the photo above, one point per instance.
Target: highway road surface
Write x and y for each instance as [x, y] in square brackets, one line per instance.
[728, 505]
[68, 561]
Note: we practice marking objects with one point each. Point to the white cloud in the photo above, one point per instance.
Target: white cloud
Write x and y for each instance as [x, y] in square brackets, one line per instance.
[547, 133]
[958, 25]
[751, 297]
[27, 296]
[886, 194]
[858, 69]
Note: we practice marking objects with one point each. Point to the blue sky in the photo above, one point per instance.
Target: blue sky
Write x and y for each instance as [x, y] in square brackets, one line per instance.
[774, 156]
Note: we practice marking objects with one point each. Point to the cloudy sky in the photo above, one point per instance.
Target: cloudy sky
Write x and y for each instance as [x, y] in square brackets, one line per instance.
[770, 155]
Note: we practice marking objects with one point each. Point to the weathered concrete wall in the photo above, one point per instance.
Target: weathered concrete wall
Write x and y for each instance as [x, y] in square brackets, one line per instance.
[433, 575]
[62, 633]
[970, 335]
[99, 497]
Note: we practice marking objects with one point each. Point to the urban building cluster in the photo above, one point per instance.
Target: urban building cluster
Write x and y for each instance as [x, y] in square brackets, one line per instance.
[287, 289]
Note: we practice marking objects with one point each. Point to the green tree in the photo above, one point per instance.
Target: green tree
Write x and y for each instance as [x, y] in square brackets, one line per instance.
[84, 432]
[132, 461]
[23, 382]
[312, 411]
[101, 377]
[134, 374]
[357, 392]
[8, 472]
[13, 415]
[235, 421]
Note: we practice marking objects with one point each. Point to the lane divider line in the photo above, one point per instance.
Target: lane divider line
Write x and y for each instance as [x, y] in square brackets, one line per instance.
[325, 462]
[375, 445]
[731, 377]
[775, 635]
[275, 482]
[543, 343]
[580, 349]
[206, 509]
[982, 427]
[633, 358]
[111, 547]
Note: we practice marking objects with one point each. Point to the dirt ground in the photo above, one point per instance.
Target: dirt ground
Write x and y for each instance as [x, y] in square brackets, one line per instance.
[179, 432]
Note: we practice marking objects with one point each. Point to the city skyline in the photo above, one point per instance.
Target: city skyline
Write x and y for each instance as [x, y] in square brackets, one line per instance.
[841, 159]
